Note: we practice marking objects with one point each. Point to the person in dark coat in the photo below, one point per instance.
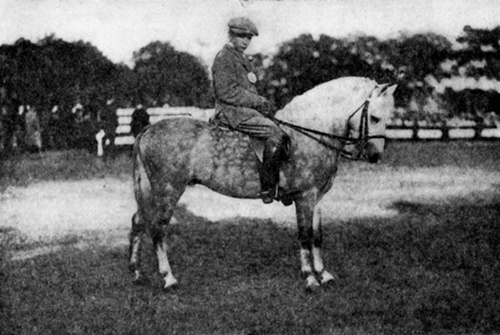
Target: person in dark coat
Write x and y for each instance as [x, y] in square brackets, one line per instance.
[109, 123]
[140, 120]
[54, 128]
[67, 126]
[240, 107]
[33, 135]
[7, 129]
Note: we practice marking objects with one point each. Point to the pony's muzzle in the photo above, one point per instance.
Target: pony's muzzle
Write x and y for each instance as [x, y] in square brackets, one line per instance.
[373, 152]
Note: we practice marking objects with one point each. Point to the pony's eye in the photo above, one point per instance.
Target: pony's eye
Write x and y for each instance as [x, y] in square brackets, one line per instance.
[375, 119]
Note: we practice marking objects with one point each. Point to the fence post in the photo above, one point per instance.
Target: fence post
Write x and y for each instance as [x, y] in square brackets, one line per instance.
[98, 137]
[445, 132]
[415, 128]
[478, 129]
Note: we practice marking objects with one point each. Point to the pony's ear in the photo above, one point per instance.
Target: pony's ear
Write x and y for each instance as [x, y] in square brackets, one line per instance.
[390, 90]
[384, 89]
[379, 89]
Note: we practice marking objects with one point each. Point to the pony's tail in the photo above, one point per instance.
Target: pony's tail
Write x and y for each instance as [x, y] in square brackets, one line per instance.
[142, 186]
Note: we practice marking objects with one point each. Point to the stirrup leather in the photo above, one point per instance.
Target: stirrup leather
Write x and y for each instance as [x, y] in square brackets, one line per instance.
[276, 193]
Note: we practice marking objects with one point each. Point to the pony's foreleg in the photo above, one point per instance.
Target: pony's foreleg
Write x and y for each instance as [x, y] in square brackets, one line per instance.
[311, 239]
[319, 267]
[136, 233]
[304, 208]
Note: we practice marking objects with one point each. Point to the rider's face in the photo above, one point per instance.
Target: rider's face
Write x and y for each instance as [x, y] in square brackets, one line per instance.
[241, 41]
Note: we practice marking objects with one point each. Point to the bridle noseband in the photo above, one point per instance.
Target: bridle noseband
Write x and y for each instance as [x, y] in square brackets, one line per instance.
[360, 142]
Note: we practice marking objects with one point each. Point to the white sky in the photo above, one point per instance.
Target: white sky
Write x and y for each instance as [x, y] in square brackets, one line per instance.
[120, 27]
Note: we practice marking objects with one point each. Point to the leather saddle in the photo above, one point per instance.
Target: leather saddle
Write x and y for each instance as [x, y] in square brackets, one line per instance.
[258, 147]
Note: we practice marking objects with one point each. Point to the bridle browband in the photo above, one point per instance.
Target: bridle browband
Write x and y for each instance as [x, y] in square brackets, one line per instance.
[360, 142]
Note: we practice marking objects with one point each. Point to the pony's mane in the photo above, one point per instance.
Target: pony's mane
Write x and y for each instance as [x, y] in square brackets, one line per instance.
[335, 99]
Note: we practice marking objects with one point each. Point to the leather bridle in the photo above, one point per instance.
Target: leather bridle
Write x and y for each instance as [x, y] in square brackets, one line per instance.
[360, 142]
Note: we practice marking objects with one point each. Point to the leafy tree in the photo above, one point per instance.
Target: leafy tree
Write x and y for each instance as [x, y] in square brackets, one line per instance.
[478, 57]
[304, 63]
[416, 56]
[165, 75]
[53, 71]
[479, 54]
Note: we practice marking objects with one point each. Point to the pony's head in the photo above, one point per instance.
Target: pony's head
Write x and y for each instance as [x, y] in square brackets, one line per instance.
[366, 126]
[330, 108]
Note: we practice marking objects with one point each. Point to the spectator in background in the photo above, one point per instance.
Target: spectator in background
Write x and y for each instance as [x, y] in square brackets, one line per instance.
[109, 123]
[13, 125]
[3, 128]
[33, 131]
[19, 127]
[88, 129]
[7, 129]
[140, 120]
[67, 126]
[77, 112]
[54, 128]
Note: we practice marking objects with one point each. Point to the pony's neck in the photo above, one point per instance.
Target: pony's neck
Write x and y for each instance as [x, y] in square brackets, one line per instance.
[328, 106]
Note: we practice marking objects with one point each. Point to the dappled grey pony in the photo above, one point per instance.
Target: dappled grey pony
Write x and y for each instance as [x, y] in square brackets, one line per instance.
[175, 153]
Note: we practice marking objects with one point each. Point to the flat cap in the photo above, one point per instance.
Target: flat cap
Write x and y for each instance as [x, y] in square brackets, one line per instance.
[243, 25]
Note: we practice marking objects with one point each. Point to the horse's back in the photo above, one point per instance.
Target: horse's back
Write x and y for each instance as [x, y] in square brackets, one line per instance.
[170, 132]
[193, 151]
[179, 136]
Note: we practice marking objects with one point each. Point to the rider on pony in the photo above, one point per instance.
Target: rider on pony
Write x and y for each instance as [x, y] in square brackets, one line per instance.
[239, 107]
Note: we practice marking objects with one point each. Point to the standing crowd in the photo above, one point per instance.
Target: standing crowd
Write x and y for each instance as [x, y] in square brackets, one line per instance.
[23, 128]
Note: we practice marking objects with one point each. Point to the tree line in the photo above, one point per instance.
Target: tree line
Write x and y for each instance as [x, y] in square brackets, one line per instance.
[56, 72]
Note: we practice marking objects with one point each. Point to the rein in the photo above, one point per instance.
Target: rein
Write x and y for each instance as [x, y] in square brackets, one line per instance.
[360, 142]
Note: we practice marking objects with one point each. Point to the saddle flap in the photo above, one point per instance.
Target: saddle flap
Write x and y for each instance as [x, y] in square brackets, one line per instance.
[225, 133]
[258, 147]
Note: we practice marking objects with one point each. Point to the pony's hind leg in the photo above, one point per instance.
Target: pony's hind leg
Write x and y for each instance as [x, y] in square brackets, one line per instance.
[158, 235]
[136, 233]
[158, 231]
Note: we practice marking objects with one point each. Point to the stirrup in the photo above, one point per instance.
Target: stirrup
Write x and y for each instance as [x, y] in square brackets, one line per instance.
[269, 195]
[278, 194]
[266, 197]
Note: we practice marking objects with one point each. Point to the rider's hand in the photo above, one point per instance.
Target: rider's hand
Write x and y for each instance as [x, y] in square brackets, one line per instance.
[268, 108]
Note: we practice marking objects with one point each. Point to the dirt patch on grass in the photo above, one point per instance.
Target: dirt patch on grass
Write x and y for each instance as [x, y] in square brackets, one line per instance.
[49, 211]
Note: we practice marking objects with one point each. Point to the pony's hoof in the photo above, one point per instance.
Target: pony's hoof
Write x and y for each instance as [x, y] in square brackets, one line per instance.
[312, 284]
[140, 280]
[170, 288]
[170, 283]
[327, 278]
[286, 200]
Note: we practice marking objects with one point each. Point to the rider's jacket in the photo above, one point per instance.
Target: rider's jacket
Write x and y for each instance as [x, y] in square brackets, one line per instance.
[234, 81]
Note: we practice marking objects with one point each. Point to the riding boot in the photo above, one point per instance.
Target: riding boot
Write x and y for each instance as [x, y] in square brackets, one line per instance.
[269, 172]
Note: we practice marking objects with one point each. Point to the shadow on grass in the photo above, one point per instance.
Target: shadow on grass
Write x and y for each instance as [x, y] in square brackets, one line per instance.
[24, 169]
[432, 268]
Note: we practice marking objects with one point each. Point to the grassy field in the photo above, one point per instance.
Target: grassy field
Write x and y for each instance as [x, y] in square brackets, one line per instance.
[432, 268]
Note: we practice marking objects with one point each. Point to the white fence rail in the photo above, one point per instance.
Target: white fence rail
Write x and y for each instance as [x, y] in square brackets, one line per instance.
[123, 135]
[393, 132]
